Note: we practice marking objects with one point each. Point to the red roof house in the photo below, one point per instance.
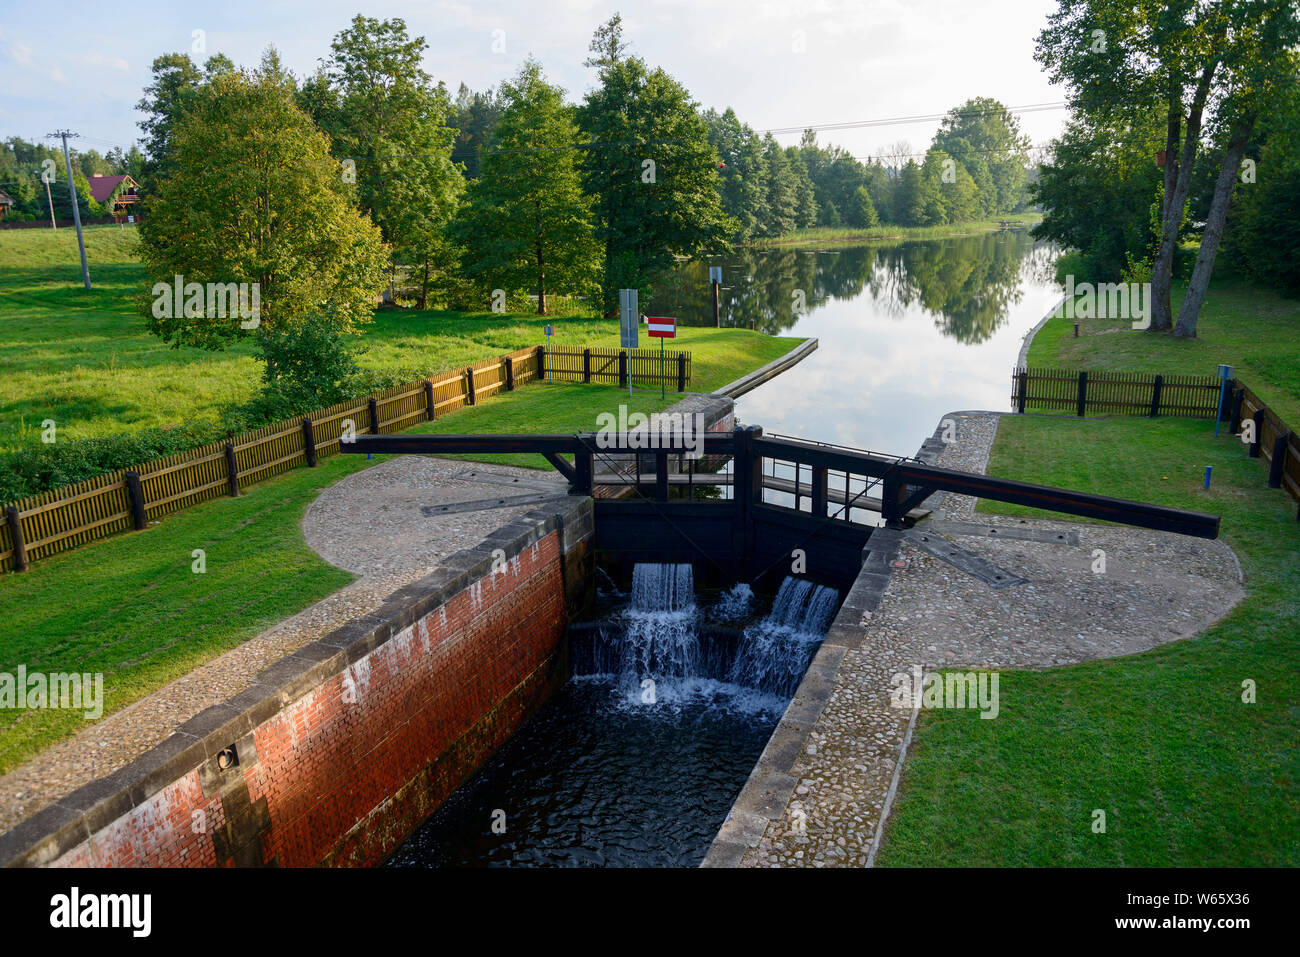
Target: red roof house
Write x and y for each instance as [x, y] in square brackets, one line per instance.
[121, 189]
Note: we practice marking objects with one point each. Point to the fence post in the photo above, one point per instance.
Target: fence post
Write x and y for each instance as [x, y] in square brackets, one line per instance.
[820, 491]
[309, 441]
[135, 492]
[1230, 388]
[510, 374]
[661, 476]
[1277, 466]
[1023, 376]
[469, 384]
[1258, 419]
[541, 363]
[1238, 397]
[430, 409]
[681, 372]
[582, 472]
[586, 365]
[1083, 393]
[16, 536]
[1155, 396]
[232, 471]
[373, 404]
[622, 368]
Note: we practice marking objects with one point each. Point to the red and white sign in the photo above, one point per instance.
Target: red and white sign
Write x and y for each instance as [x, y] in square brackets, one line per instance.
[661, 327]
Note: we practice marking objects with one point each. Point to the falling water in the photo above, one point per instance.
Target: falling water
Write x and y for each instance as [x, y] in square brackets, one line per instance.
[661, 638]
[735, 603]
[775, 653]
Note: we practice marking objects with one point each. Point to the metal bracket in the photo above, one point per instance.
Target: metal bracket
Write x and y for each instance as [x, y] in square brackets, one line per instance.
[962, 560]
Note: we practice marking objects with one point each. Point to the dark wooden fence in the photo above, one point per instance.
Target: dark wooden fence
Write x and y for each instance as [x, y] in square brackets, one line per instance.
[63, 518]
[613, 366]
[1185, 396]
[1114, 393]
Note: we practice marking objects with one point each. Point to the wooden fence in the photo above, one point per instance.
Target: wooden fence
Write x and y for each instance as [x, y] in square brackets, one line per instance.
[613, 366]
[1196, 397]
[1114, 393]
[63, 518]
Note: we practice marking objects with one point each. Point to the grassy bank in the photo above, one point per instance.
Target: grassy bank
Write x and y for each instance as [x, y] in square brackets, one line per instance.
[86, 361]
[1187, 773]
[822, 235]
[1253, 329]
[152, 619]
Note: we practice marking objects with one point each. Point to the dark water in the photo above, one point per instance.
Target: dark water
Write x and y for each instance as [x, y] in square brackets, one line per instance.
[637, 760]
[596, 781]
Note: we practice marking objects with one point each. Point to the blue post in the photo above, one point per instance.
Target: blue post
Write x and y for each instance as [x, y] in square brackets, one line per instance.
[1225, 373]
[1208, 469]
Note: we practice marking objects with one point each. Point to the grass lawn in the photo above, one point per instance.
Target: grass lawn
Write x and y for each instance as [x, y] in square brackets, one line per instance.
[86, 360]
[1187, 773]
[1249, 327]
[131, 608]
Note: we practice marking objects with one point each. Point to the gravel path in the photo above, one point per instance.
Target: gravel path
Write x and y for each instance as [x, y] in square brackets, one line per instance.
[1156, 588]
[369, 523]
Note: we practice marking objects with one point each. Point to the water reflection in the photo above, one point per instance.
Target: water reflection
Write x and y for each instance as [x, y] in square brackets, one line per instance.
[907, 332]
[966, 285]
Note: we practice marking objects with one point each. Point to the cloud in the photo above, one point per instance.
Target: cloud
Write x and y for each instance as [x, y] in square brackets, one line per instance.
[113, 62]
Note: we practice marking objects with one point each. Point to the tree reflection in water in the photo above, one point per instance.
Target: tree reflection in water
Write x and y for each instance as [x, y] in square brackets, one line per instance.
[966, 284]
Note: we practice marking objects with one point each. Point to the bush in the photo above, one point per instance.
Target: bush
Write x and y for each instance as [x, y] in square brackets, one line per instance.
[41, 467]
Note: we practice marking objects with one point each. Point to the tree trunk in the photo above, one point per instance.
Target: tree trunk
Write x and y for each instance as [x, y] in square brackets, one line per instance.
[1162, 273]
[424, 285]
[1213, 233]
[541, 284]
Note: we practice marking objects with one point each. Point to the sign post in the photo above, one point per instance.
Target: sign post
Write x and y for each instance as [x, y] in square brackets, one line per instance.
[629, 315]
[1225, 373]
[661, 328]
[715, 280]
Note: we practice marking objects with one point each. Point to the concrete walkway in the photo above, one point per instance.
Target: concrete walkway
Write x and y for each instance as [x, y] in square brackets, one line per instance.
[824, 784]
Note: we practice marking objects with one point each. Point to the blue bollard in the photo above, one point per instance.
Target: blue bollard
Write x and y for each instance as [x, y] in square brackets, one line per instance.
[1207, 475]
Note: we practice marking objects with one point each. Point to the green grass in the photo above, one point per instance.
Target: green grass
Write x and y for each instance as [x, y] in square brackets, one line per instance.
[86, 361]
[820, 235]
[1251, 328]
[131, 608]
[1187, 773]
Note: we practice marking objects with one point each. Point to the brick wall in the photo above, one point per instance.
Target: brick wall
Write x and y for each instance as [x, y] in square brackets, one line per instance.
[347, 745]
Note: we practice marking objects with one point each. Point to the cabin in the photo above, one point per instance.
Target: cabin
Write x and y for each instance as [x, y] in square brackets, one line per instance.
[120, 189]
[6, 204]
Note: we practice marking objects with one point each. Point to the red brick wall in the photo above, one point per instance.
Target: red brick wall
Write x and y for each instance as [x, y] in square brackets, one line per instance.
[344, 773]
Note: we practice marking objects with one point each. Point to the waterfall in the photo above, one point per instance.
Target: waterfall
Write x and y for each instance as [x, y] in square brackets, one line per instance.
[662, 636]
[775, 653]
[661, 640]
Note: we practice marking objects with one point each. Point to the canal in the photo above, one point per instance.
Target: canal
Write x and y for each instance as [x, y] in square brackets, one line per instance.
[636, 761]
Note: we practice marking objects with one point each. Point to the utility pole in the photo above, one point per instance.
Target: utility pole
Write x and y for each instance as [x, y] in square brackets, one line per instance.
[49, 199]
[76, 211]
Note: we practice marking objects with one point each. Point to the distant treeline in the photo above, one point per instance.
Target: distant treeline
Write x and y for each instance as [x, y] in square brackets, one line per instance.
[22, 165]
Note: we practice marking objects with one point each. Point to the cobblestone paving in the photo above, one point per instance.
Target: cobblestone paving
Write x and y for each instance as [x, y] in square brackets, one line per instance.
[369, 523]
[1156, 588]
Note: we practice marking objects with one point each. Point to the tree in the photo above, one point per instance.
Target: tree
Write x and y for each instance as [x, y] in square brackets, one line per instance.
[384, 114]
[863, 211]
[985, 139]
[527, 221]
[911, 200]
[650, 167]
[474, 116]
[742, 168]
[252, 195]
[1188, 56]
[176, 83]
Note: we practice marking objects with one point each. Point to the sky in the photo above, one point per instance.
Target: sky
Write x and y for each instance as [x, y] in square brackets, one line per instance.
[779, 63]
